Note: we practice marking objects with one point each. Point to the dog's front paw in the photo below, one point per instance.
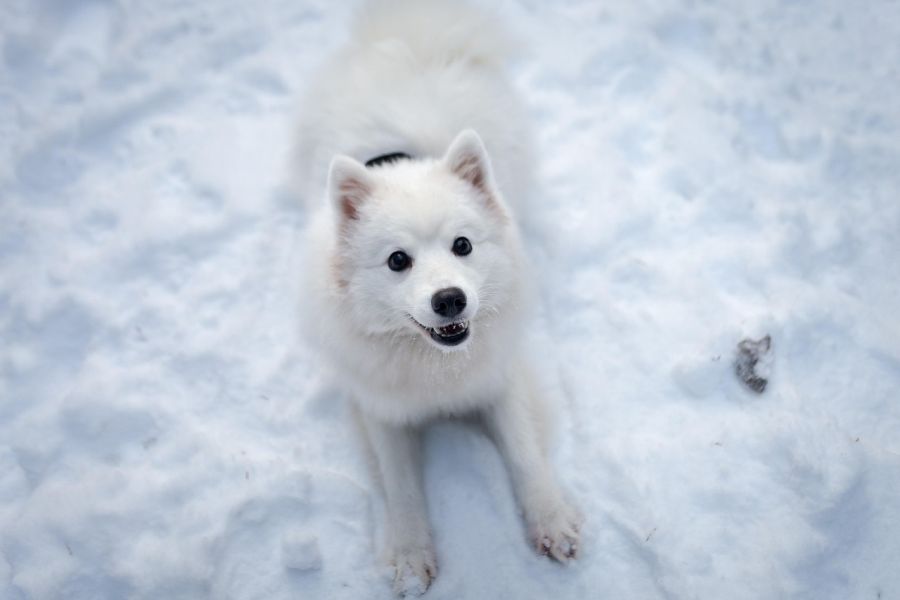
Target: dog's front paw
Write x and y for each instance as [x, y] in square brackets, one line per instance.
[414, 570]
[554, 532]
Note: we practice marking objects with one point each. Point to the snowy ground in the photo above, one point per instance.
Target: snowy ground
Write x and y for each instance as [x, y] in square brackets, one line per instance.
[712, 171]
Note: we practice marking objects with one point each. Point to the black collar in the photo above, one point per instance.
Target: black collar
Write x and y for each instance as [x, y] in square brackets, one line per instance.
[387, 158]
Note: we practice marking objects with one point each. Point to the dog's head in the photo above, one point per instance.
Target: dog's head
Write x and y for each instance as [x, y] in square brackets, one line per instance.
[426, 247]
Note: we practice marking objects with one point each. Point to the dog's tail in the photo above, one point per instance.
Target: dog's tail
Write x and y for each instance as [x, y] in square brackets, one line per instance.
[438, 31]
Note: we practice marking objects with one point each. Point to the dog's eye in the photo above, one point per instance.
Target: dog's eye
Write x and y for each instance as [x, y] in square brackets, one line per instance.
[399, 260]
[461, 246]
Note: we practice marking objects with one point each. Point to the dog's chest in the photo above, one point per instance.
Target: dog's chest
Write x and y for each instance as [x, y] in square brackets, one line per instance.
[423, 392]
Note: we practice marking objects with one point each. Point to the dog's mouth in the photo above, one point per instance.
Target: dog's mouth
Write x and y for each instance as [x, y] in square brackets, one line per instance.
[447, 335]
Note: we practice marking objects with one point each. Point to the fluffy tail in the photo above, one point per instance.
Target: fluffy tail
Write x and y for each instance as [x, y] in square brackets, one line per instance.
[440, 31]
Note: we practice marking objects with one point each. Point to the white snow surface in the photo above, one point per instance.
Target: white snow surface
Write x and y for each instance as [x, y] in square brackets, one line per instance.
[710, 171]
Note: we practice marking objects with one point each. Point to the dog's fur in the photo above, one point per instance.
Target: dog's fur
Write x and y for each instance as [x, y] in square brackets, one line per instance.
[423, 78]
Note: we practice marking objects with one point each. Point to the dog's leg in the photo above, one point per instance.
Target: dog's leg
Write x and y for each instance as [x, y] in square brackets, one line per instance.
[552, 522]
[409, 546]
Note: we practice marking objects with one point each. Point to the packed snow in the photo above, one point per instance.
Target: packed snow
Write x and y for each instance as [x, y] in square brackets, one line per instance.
[710, 172]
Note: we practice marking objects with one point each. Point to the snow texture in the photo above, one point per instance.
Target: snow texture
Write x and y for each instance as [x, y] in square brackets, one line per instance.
[301, 551]
[711, 172]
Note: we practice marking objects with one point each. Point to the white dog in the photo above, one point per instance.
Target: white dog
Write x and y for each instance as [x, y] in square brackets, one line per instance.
[417, 285]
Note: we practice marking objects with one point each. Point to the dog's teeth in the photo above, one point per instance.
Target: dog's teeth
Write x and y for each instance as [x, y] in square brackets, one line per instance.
[452, 329]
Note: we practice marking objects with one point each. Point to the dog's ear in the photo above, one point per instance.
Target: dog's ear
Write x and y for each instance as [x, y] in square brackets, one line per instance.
[468, 159]
[349, 185]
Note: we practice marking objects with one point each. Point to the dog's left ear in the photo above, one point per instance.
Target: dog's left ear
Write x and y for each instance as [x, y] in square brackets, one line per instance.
[468, 159]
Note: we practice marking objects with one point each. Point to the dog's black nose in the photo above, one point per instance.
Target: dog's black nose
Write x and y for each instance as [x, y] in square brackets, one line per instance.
[448, 302]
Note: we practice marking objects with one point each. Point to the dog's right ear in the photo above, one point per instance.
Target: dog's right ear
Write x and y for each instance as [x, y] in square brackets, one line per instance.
[349, 185]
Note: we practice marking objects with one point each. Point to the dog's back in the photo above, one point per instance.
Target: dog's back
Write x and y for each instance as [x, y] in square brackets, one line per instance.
[415, 74]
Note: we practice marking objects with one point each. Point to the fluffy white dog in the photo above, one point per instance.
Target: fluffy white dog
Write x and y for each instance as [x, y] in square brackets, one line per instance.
[417, 287]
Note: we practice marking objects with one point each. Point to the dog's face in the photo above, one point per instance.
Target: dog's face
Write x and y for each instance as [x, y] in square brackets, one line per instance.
[425, 247]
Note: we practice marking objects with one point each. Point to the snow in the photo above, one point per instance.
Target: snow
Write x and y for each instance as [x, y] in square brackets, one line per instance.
[301, 551]
[711, 172]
